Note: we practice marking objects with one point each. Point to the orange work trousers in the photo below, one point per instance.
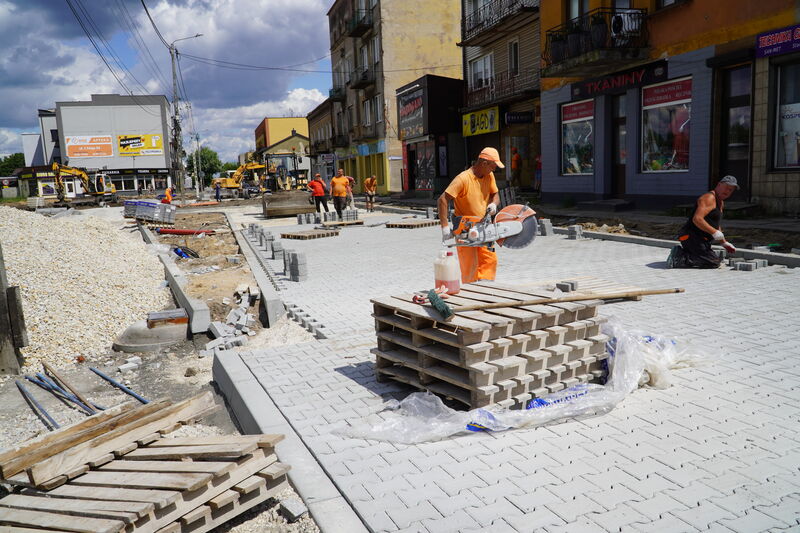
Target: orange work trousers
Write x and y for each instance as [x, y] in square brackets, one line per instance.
[476, 263]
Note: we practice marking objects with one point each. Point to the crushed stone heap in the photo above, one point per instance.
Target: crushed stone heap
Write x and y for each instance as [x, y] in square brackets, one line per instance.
[83, 282]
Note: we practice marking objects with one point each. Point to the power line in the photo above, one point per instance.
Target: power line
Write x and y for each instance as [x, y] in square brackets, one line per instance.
[151, 65]
[154, 24]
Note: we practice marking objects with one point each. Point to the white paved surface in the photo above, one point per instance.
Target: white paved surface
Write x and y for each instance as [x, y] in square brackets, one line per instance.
[718, 451]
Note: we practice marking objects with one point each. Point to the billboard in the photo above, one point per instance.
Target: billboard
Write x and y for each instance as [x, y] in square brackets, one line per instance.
[411, 120]
[136, 145]
[480, 122]
[89, 146]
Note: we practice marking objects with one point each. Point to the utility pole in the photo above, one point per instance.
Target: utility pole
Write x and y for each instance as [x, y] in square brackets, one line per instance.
[197, 170]
[177, 161]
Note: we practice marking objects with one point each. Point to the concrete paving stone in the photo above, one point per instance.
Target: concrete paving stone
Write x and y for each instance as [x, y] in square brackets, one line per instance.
[457, 485]
[569, 510]
[503, 457]
[786, 510]
[426, 462]
[490, 494]
[638, 451]
[611, 497]
[535, 499]
[651, 485]
[536, 520]
[488, 513]
[581, 525]
[774, 488]
[573, 470]
[618, 518]
[677, 458]
[610, 478]
[703, 515]
[727, 482]
[741, 500]
[405, 516]
[458, 521]
[571, 489]
[415, 495]
[385, 488]
[449, 505]
[417, 478]
[694, 494]
[666, 523]
[497, 473]
[498, 526]
[375, 516]
[720, 465]
[656, 506]
[538, 462]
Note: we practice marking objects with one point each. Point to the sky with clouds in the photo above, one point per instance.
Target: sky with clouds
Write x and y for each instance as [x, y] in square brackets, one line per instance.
[53, 60]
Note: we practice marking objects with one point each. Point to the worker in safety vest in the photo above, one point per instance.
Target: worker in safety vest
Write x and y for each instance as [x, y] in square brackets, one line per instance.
[473, 192]
[167, 196]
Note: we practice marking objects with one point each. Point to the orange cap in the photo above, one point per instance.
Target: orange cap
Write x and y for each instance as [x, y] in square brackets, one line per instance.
[491, 154]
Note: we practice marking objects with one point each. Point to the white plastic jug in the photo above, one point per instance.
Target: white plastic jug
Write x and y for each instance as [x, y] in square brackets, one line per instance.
[447, 272]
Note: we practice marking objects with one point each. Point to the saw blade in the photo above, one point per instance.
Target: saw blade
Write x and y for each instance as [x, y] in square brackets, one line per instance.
[527, 217]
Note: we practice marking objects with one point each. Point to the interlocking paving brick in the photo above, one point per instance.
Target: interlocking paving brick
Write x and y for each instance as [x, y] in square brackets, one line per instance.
[457, 521]
[666, 523]
[703, 515]
[571, 509]
[492, 493]
[613, 496]
[753, 521]
[536, 520]
[530, 501]
[448, 505]
[405, 516]
[617, 518]
[657, 506]
[487, 514]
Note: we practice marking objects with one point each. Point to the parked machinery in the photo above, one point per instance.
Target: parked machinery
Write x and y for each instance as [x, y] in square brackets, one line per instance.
[235, 182]
[98, 187]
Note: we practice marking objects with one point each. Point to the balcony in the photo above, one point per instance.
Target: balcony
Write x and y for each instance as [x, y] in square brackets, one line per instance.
[503, 87]
[361, 78]
[602, 41]
[368, 132]
[340, 141]
[321, 146]
[360, 24]
[338, 94]
[475, 26]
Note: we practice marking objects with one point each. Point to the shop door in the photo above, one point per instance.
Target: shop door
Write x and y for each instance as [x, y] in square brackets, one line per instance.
[734, 146]
[618, 137]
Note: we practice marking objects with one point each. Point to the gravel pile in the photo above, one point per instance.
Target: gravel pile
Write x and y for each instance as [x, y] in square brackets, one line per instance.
[83, 282]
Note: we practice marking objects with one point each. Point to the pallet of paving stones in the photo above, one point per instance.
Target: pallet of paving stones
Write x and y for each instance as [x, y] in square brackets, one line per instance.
[343, 223]
[412, 224]
[504, 356]
[119, 470]
[310, 234]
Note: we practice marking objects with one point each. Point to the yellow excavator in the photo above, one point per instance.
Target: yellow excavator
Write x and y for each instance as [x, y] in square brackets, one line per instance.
[98, 188]
[235, 181]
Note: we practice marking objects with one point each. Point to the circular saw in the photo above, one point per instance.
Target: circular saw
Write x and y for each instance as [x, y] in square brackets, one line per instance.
[514, 226]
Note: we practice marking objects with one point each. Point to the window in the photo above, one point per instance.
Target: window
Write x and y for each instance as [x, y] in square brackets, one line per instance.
[482, 70]
[364, 57]
[787, 134]
[378, 108]
[376, 50]
[666, 121]
[622, 4]
[576, 8]
[475, 5]
[367, 112]
[54, 135]
[513, 58]
[577, 138]
[660, 4]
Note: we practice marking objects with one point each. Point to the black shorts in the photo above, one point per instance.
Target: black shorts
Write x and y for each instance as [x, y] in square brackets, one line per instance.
[370, 196]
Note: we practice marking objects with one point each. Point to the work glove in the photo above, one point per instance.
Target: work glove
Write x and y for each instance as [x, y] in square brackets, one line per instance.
[728, 246]
[718, 236]
[447, 232]
[492, 209]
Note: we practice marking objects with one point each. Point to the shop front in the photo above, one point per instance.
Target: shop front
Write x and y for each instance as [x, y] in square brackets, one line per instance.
[127, 180]
[432, 150]
[480, 129]
[520, 143]
[630, 136]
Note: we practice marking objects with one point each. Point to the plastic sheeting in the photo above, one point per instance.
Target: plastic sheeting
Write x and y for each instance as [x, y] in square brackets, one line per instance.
[635, 359]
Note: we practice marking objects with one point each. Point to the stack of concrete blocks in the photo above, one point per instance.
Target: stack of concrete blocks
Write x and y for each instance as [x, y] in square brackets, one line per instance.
[348, 215]
[287, 256]
[511, 359]
[747, 266]
[304, 319]
[298, 266]
[317, 218]
[545, 227]
[236, 328]
[308, 218]
[265, 244]
[575, 232]
[567, 286]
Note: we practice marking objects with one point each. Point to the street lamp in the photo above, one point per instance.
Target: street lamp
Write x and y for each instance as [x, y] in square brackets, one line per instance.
[178, 161]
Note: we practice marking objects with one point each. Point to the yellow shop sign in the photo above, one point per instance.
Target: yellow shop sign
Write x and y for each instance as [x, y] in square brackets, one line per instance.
[480, 122]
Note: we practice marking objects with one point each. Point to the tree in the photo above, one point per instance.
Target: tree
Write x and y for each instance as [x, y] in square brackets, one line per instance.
[229, 166]
[9, 164]
[209, 163]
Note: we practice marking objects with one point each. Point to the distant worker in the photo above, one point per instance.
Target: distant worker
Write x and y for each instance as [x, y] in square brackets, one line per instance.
[473, 193]
[516, 167]
[537, 182]
[703, 228]
[318, 191]
[370, 189]
[339, 185]
[350, 183]
[218, 192]
[167, 196]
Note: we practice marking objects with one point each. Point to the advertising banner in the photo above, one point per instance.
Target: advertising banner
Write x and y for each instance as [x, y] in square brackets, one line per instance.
[89, 146]
[778, 42]
[577, 111]
[411, 119]
[644, 75]
[672, 92]
[480, 122]
[137, 145]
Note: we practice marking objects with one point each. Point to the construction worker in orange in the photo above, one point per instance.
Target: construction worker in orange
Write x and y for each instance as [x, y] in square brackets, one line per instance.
[167, 196]
[473, 192]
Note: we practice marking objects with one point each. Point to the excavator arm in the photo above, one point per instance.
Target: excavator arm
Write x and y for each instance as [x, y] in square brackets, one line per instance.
[60, 170]
[238, 176]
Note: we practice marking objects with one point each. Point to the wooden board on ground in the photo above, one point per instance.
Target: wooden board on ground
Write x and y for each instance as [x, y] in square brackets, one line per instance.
[412, 224]
[331, 224]
[310, 234]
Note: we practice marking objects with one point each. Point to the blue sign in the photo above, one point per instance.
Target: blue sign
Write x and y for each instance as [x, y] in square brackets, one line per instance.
[778, 42]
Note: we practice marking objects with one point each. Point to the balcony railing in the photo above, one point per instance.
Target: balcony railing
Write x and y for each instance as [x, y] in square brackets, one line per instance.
[501, 86]
[337, 94]
[491, 14]
[368, 131]
[360, 24]
[605, 36]
[340, 141]
[362, 78]
[320, 146]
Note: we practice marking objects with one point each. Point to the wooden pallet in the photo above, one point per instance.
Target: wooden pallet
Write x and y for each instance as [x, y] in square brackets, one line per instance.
[411, 224]
[331, 223]
[310, 234]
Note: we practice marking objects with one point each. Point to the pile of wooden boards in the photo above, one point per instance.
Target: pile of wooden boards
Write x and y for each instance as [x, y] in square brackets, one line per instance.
[506, 356]
[412, 224]
[119, 470]
[310, 234]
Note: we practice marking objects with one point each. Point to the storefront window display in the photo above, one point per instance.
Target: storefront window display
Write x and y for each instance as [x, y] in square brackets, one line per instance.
[666, 121]
[787, 139]
[577, 138]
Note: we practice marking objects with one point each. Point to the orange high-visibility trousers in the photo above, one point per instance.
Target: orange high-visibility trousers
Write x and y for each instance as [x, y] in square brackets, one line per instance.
[476, 263]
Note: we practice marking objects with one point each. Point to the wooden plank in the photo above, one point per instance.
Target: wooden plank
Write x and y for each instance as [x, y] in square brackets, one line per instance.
[144, 480]
[60, 522]
[262, 441]
[174, 527]
[209, 467]
[107, 442]
[159, 498]
[33, 502]
[201, 513]
[274, 471]
[116, 510]
[331, 224]
[427, 312]
[499, 326]
[226, 498]
[180, 452]
[16, 459]
[250, 484]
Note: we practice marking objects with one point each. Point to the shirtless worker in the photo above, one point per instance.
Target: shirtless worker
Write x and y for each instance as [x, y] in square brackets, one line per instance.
[703, 228]
[472, 193]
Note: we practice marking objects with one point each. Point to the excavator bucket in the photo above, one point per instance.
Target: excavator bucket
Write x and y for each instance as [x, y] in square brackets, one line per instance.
[524, 215]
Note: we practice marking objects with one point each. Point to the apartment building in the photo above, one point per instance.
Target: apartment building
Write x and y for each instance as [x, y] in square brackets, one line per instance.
[376, 47]
[320, 130]
[651, 102]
